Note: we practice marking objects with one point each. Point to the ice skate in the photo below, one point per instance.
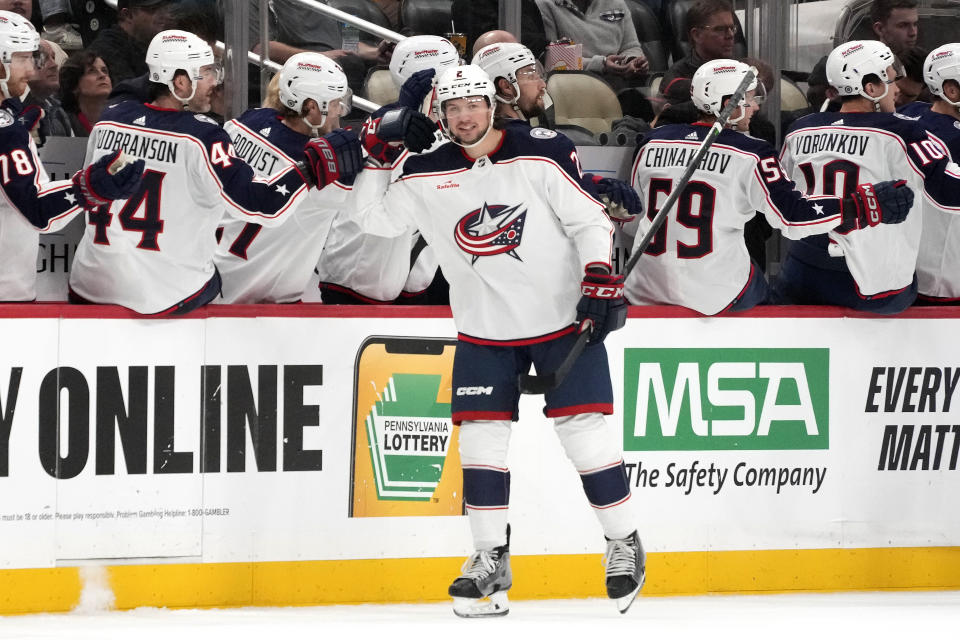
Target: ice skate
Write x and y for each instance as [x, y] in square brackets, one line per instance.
[481, 591]
[626, 569]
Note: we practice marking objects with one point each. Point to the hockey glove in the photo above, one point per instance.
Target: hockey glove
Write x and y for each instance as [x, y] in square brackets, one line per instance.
[417, 131]
[334, 156]
[623, 203]
[109, 178]
[416, 89]
[384, 152]
[602, 308]
[872, 204]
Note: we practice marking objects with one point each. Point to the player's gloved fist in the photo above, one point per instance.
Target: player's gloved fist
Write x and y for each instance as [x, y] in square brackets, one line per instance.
[331, 157]
[623, 203]
[602, 308]
[416, 88]
[872, 204]
[28, 115]
[383, 151]
[417, 131]
[109, 178]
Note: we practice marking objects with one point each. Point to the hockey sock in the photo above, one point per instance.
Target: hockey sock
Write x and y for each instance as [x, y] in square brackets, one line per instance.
[597, 458]
[486, 479]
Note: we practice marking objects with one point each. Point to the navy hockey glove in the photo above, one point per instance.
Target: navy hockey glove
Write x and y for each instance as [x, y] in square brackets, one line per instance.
[417, 131]
[109, 178]
[623, 203]
[602, 308]
[872, 204]
[416, 89]
[331, 157]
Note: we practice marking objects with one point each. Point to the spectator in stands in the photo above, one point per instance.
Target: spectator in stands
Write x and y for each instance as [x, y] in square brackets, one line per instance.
[391, 9]
[476, 17]
[910, 82]
[493, 37]
[606, 31]
[895, 23]
[84, 88]
[22, 7]
[56, 26]
[44, 88]
[712, 31]
[125, 43]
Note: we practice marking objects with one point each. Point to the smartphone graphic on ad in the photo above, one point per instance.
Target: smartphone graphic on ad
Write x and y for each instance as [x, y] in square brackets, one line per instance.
[405, 455]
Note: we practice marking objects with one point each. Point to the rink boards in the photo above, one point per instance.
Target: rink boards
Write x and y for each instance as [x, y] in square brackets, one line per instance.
[302, 455]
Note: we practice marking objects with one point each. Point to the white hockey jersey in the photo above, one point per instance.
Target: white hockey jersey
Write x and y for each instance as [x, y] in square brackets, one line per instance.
[831, 153]
[155, 249]
[513, 231]
[698, 258]
[31, 204]
[261, 265]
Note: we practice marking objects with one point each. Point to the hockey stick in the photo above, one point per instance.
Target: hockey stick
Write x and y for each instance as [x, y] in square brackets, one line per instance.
[548, 381]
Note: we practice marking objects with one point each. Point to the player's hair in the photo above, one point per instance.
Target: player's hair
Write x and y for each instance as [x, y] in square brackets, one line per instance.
[880, 10]
[698, 15]
[70, 73]
[912, 60]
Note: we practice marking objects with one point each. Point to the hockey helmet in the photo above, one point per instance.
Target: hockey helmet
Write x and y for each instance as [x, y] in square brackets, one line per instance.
[16, 35]
[717, 80]
[174, 50]
[313, 76]
[850, 63]
[465, 81]
[503, 60]
[941, 65]
[417, 53]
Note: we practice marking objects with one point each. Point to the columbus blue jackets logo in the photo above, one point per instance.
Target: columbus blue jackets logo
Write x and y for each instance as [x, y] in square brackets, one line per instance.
[491, 230]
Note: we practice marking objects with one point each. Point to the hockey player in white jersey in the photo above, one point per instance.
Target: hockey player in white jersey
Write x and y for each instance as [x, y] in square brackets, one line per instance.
[698, 258]
[273, 265]
[515, 233]
[32, 203]
[938, 262]
[153, 253]
[357, 267]
[865, 141]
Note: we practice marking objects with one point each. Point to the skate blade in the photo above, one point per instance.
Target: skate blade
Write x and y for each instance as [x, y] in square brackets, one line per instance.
[496, 604]
[624, 603]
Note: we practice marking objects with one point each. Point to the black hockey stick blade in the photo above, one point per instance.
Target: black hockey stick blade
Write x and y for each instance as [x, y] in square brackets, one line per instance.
[536, 385]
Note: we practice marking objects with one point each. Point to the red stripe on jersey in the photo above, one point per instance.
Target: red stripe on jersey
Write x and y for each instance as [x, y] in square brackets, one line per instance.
[607, 506]
[599, 407]
[352, 293]
[470, 506]
[521, 342]
[483, 466]
[461, 416]
[603, 468]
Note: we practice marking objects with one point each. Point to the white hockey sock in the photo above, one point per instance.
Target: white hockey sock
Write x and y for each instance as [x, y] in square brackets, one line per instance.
[486, 479]
[597, 457]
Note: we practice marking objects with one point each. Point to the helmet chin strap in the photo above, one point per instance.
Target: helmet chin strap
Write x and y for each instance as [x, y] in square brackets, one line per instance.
[3, 83]
[315, 128]
[184, 102]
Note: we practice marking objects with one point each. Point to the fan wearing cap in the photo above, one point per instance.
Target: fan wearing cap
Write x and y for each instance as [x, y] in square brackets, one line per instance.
[153, 253]
[364, 268]
[306, 99]
[698, 258]
[938, 263]
[123, 46]
[526, 250]
[31, 203]
[864, 142]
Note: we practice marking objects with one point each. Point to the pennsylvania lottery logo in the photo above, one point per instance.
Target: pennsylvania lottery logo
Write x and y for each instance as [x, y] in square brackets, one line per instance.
[726, 399]
[409, 434]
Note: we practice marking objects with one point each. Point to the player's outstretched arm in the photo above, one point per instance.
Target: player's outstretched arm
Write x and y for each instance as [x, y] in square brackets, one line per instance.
[112, 177]
[621, 202]
[334, 157]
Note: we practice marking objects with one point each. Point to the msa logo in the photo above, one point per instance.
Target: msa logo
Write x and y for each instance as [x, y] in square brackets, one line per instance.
[474, 391]
[726, 399]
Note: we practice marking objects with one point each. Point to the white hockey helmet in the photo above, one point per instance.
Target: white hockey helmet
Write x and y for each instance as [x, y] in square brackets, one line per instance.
[717, 80]
[851, 62]
[417, 53]
[16, 35]
[465, 81]
[941, 65]
[503, 60]
[175, 50]
[313, 76]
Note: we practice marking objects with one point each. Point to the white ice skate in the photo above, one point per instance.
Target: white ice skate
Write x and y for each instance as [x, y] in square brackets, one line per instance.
[481, 591]
[626, 570]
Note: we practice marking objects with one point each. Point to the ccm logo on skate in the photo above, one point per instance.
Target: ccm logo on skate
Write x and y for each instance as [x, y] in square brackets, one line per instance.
[599, 291]
[474, 391]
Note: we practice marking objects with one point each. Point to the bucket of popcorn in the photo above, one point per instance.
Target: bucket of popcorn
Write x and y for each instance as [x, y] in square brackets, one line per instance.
[564, 55]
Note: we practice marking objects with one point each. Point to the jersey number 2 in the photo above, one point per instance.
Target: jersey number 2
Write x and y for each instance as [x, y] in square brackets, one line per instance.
[700, 219]
[149, 224]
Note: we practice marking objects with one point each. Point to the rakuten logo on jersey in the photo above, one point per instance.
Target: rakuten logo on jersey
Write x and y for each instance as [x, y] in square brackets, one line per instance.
[474, 391]
[726, 399]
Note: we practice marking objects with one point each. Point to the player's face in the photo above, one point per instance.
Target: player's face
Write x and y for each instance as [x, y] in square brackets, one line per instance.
[146, 22]
[888, 103]
[23, 7]
[532, 89]
[909, 90]
[753, 105]
[900, 30]
[22, 70]
[715, 39]
[467, 118]
[95, 81]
